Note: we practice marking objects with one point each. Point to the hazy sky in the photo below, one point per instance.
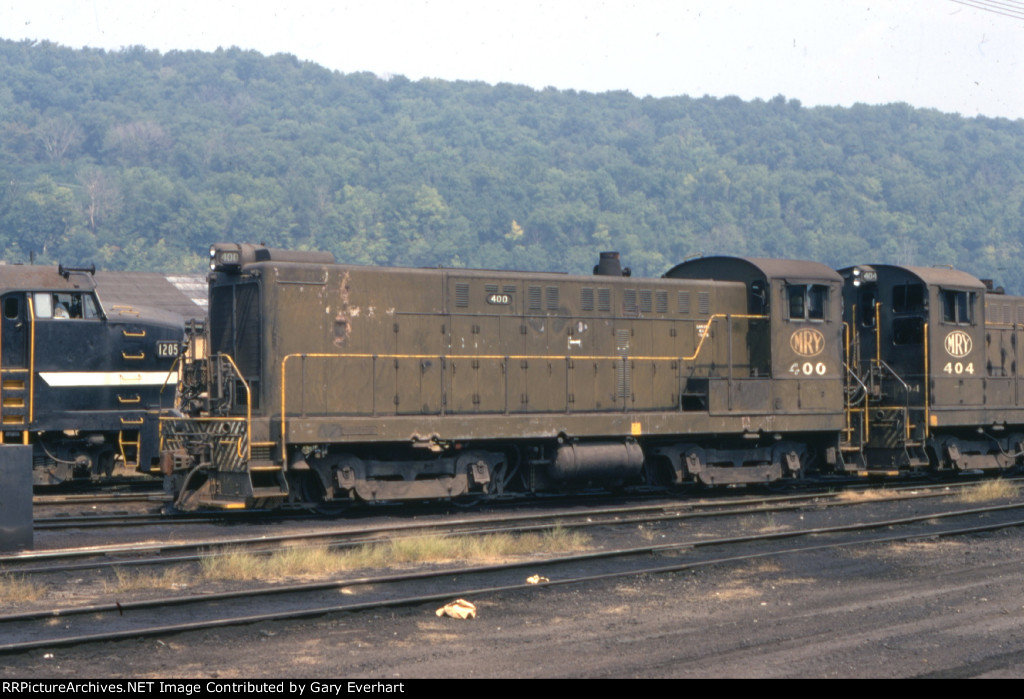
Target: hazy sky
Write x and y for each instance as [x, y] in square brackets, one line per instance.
[943, 54]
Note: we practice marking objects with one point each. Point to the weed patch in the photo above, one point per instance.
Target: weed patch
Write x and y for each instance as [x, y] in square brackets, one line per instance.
[990, 490]
[15, 588]
[319, 561]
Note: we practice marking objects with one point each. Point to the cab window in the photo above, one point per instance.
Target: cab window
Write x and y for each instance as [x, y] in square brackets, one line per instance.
[908, 298]
[758, 305]
[807, 301]
[43, 305]
[867, 309]
[65, 306]
[90, 309]
[957, 306]
[12, 307]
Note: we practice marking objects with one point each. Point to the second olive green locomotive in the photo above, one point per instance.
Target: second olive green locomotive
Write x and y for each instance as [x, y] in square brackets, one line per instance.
[935, 361]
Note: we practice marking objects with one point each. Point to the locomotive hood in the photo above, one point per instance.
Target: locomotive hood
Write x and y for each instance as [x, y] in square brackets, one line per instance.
[131, 314]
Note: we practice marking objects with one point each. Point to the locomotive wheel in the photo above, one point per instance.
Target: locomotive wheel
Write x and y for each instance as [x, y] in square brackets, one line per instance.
[468, 501]
[105, 463]
[314, 497]
[501, 476]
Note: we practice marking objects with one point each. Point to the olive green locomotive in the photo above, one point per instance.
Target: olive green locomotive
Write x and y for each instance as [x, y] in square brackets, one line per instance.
[935, 358]
[330, 383]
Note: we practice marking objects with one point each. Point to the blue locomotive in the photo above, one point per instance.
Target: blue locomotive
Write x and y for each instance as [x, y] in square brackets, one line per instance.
[81, 381]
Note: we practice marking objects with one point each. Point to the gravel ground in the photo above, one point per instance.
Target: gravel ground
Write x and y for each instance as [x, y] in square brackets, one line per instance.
[936, 608]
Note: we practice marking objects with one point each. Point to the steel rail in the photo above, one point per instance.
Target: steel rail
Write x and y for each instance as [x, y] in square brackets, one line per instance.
[477, 526]
[163, 629]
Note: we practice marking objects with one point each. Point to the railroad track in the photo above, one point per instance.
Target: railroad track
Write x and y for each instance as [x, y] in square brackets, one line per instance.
[96, 498]
[352, 534]
[711, 500]
[119, 620]
[115, 485]
[135, 520]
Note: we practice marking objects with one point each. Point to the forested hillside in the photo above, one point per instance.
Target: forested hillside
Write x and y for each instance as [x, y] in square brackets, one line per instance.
[138, 160]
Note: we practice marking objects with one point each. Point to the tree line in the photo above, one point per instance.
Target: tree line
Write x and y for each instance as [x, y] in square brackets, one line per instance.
[136, 159]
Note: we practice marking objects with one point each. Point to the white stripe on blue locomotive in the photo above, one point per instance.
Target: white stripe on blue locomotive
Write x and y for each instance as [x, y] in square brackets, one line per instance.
[69, 379]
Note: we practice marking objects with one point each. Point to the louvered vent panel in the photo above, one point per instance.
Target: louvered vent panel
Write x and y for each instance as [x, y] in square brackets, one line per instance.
[684, 302]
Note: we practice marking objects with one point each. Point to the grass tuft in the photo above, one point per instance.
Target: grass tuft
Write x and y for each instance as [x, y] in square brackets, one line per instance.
[232, 564]
[866, 495]
[128, 580]
[16, 588]
[318, 561]
[990, 490]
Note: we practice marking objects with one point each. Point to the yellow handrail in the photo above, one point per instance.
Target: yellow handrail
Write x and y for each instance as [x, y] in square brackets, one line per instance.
[248, 411]
[170, 372]
[927, 381]
[31, 366]
[848, 407]
[878, 337]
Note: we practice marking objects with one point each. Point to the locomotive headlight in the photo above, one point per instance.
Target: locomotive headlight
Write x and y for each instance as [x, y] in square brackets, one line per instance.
[856, 271]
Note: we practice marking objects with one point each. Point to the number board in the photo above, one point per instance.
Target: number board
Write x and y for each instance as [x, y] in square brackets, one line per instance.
[167, 349]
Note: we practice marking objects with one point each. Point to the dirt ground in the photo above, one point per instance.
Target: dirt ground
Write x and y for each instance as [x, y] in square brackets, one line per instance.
[937, 608]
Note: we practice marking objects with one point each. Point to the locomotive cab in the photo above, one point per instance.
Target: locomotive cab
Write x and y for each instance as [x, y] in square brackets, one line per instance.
[795, 332]
[793, 341]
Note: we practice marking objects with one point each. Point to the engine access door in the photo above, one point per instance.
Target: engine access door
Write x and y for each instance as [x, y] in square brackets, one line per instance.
[15, 324]
[14, 331]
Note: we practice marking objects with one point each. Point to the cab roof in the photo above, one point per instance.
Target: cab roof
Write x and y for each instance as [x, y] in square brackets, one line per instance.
[40, 278]
[930, 276]
[727, 268]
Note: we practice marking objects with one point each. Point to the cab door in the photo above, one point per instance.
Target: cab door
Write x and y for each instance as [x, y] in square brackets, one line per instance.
[958, 350]
[808, 371]
[15, 330]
